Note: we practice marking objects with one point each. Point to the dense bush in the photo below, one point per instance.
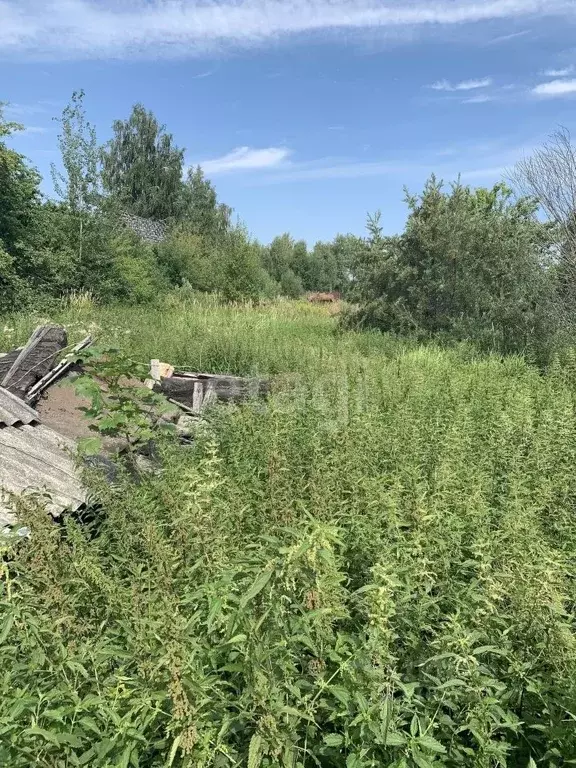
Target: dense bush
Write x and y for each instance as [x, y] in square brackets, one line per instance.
[471, 264]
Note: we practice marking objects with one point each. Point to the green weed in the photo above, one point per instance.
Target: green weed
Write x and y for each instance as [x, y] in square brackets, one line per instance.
[377, 569]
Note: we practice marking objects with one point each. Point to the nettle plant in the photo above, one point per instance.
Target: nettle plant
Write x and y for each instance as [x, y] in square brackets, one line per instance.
[120, 403]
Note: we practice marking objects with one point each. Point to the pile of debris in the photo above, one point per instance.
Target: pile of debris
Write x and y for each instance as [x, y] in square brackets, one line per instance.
[32, 455]
[39, 424]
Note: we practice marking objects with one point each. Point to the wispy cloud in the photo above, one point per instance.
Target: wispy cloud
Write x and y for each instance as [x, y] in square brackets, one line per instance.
[464, 85]
[563, 72]
[22, 110]
[506, 38]
[555, 88]
[202, 75]
[152, 28]
[478, 99]
[34, 129]
[471, 160]
[246, 159]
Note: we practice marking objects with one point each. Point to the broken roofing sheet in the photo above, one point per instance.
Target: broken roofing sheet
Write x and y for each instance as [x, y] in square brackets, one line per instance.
[34, 457]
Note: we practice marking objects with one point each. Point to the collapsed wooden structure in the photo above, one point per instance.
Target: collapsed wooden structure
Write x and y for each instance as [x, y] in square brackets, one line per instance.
[34, 457]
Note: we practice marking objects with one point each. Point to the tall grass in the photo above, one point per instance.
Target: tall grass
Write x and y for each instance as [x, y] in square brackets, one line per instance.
[377, 569]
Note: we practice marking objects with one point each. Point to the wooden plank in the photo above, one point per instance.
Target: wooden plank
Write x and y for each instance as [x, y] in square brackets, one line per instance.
[35, 360]
[221, 381]
[7, 361]
[57, 372]
[197, 397]
[222, 388]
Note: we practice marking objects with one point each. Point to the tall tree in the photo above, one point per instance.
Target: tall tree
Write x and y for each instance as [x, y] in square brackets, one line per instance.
[78, 183]
[201, 211]
[19, 191]
[142, 168]
[549, 175]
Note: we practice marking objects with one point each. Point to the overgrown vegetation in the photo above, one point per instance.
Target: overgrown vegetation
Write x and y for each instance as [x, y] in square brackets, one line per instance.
[376, 569]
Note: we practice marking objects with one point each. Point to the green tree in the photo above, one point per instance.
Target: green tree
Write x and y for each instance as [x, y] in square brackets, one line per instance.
[291, 284]
[280, 256]
[471, 264]
[19, 193]
[78, 182]
[242, 271]
[201, 211]
[10, 284]
[142, 169]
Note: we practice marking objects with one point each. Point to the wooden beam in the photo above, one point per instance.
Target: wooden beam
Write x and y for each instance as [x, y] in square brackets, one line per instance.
[197, 390]
[57, 372]
[35, 360]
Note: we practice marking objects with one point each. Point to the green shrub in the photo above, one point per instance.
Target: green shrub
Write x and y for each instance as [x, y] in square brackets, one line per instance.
[140, 278]
[471, 265]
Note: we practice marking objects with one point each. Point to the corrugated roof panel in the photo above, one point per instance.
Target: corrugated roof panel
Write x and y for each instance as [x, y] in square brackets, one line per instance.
[15, 411]
[37, 458]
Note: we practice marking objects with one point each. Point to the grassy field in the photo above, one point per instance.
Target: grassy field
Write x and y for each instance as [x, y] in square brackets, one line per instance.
[377, 569]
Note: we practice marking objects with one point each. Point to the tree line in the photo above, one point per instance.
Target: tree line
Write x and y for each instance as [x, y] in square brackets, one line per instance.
[76, 241]
[492, 266]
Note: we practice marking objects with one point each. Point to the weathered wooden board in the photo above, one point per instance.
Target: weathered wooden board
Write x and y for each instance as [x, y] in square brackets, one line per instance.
[35, 360]
[57, 372]
[196, 390]
[7, 361]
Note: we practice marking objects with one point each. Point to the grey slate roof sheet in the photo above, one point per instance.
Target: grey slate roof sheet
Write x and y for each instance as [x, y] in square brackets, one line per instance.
[35, 458]
[15, 411]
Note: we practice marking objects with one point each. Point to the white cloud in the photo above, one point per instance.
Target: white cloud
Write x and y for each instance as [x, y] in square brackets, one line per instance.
[100, 28]
[507, 38]
[479, 99]
[464, 85]
[558, 72]
[21, 110]
[555, 88]
[246, 159]
[470, 160]
[202, 75]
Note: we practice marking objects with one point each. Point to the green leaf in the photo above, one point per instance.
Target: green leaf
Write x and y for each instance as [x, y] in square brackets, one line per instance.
[420, 759]
[333, 739]
[173, 750]
[340, 693]
[85, 757]
[236, 639]
[89, 446]
[429, 742]
[395, 739]
[7, 626]
[257, 587]
[46, 735]
[454, 682]
[255, 751]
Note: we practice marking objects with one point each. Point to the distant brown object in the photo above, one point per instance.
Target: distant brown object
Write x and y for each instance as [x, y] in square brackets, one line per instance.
[324, 298]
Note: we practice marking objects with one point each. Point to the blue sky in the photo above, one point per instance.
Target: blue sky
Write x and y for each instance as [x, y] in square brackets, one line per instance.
[307, 114]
